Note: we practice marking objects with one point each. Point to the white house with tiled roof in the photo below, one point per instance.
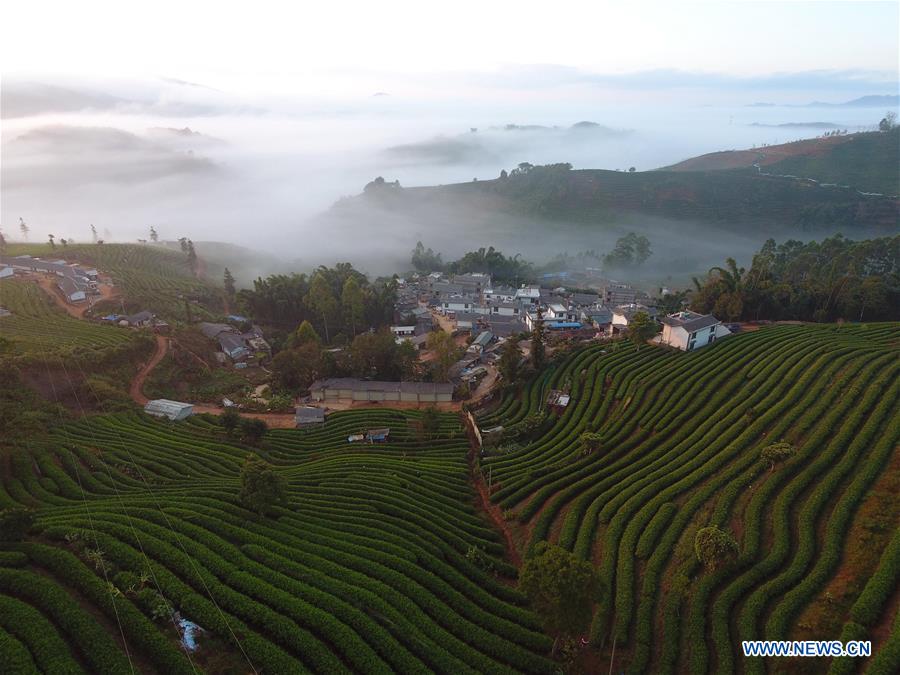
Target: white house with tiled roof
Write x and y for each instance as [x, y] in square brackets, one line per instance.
[688, 330]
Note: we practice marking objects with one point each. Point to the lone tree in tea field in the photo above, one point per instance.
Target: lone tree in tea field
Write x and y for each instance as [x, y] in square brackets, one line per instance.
[230, 419]
[776, 453]
[562, 588]
[15, 523]
[253, 429]
[262, 489]
[431, 422]
[714, 547]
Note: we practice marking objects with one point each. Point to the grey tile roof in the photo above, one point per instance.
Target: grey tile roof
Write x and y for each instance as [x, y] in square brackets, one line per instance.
[690, 321]
[211, 330]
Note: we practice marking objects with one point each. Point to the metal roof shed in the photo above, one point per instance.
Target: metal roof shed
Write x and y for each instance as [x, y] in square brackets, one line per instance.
[308, 416]
[174, 410]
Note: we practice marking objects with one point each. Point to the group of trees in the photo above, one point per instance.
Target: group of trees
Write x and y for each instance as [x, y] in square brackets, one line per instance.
[504, 269]
[338, 301]
[374, 355]
[187, 247]
[834, 279]
[426, 260]
[630, 251]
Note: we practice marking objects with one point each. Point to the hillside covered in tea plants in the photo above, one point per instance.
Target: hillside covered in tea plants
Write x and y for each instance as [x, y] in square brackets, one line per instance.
[657, 444]
[380, 564]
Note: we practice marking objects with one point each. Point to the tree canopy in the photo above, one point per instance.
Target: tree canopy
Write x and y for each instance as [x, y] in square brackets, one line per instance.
[641, 328]
[562, 589]
[714, 547]
[632, 250]
[325, 300]
[262, 488]
[836, 278]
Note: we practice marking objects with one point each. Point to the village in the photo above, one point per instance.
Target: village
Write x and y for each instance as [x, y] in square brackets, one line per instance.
[479, 314]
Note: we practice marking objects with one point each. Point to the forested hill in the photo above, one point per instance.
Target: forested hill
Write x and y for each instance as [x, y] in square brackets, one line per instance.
[732, 200]
[869, 162]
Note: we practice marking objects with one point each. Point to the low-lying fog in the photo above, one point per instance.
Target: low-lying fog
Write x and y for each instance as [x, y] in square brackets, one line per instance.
[212, 167]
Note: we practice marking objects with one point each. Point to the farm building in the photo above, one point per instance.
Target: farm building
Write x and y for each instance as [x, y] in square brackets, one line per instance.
[212, 330]
[417, 341]
[233, 345]
[140, 319]
[308, 416]
[72, 290]
[174, 410]
[688, 330]
[481, 342]
[348, 388]
[236, 345]
[597, 315]
[558, 399]
[378, 435]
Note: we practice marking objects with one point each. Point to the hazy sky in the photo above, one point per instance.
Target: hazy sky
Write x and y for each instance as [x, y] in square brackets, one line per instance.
[279, 98]
[336, 48]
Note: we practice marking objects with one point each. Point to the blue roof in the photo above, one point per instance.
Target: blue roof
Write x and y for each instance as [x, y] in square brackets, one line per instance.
[563, 324]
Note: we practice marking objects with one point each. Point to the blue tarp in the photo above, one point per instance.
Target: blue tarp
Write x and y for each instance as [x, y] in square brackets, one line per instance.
[563, 324]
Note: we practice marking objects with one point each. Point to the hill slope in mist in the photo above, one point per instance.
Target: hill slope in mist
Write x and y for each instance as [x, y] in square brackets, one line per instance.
[869, 162]
[725, 200]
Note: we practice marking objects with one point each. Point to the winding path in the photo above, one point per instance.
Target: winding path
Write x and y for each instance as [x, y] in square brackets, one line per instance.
[137, 384]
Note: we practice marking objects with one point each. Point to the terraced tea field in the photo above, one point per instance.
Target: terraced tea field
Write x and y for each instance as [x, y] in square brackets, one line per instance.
[367, 571]
[371, 568]
[37, 325]
[150, 277]
[679, 449]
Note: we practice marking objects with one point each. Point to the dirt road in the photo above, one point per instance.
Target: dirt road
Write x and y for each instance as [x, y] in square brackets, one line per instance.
[137, 384]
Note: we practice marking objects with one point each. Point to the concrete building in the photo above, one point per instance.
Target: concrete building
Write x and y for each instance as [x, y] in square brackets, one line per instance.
[352, 389]
[688, 330]
[173, 410]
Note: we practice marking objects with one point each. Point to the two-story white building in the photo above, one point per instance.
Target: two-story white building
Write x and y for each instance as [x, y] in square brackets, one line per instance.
[688, 330]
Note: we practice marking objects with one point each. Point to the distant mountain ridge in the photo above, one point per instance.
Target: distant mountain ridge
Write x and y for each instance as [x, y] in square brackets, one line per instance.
[870, 101]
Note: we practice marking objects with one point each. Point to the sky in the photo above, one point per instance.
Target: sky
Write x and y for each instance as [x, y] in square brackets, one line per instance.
[324, 49]
[246, 121]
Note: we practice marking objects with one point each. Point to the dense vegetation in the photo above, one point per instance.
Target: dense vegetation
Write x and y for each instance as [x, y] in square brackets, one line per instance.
[836, 279]
[340, 302]
[656, 445]
[368, 570]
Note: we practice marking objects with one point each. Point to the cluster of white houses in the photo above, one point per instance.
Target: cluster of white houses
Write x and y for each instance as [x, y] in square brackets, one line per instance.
[75, 282]
[475, 304]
